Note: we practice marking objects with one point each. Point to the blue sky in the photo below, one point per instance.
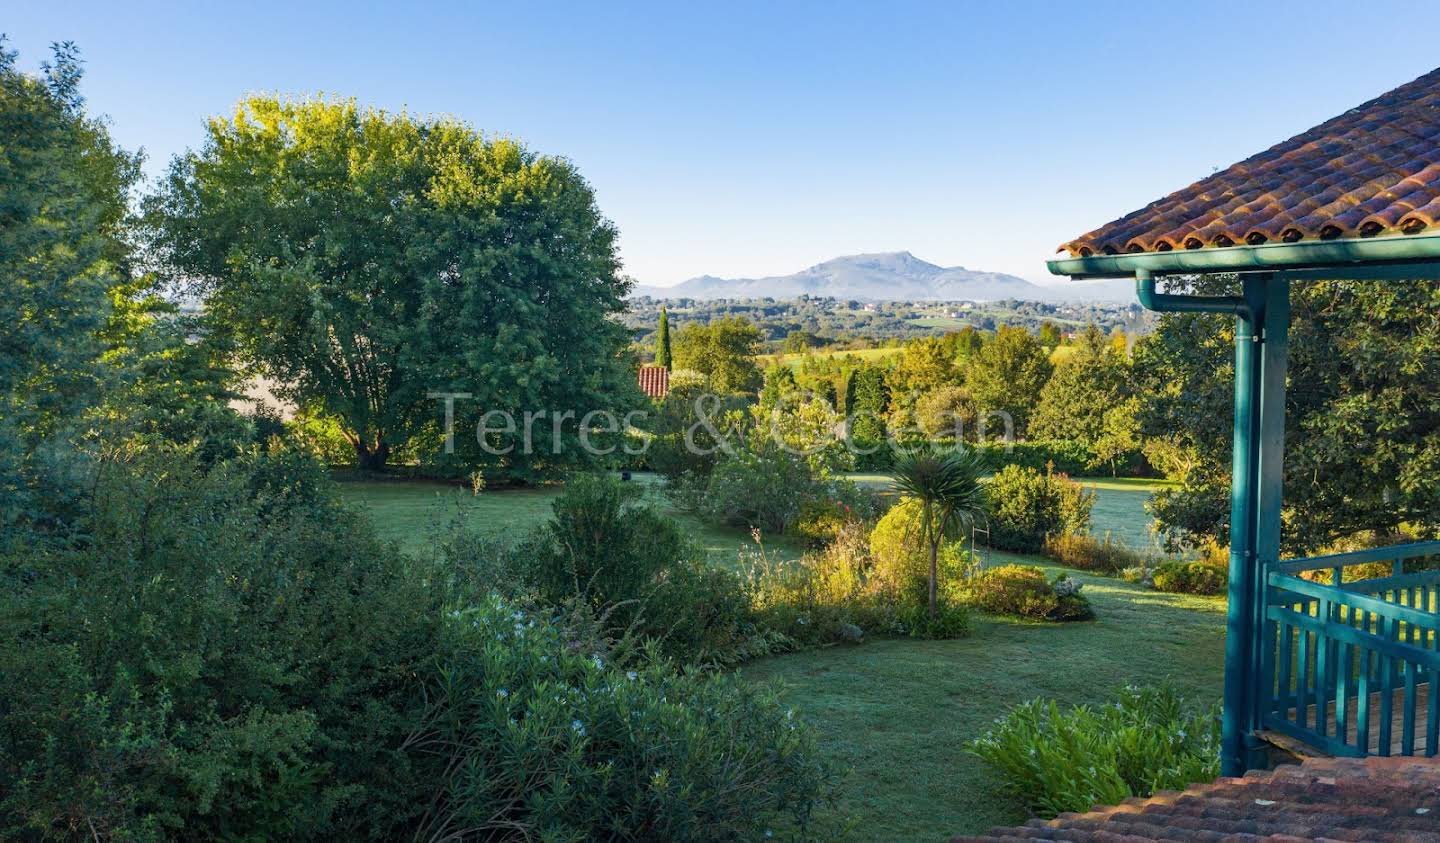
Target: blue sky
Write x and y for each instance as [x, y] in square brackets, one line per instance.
[753, 139]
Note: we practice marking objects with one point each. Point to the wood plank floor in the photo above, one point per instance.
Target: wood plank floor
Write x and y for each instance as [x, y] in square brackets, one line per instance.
[1397, 719]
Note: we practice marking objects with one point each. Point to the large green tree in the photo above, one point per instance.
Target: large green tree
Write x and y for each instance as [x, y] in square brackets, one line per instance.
[1007, 374]
[64, 191]
[1083, 388]
[366, 260]
[1362, 432]
[723, 352]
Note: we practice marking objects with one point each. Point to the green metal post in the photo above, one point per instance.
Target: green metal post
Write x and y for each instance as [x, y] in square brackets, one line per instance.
[1261, 346]
[1235, 726]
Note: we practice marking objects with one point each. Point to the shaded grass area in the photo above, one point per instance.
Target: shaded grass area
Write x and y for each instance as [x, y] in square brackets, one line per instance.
[897, 713]
[415, 513]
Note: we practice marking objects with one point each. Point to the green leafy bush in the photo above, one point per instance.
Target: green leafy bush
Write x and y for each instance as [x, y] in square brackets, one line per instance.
[1059, 760]
[832, 595]
[1024, 591]
[226, 650]
[900, 563]
[606, 546]
[529, 736]
[1084, 551]
[1194, 577]
[767, 489]
[1028, 505]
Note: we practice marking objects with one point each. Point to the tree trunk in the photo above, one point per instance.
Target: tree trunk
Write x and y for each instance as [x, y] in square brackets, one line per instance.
[371, 459]
[934, 575]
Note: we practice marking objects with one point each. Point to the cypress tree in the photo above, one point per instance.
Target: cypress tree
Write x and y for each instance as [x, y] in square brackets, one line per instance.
[662, 340]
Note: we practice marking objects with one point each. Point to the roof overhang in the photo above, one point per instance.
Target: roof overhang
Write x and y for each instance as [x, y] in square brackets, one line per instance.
[1412, 256]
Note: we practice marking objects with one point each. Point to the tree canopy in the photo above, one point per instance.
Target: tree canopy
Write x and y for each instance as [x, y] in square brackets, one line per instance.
[366, 261]
[1007, 374]
[722, 351]
[1362, 433]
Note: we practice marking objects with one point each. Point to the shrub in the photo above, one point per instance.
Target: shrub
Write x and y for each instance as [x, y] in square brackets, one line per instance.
[766, 489]
[1062, 456]
[603, 543]
[1027, 506]
[1024, 591]
[1059, 760]
[606, 546]
[227, 650]
[1084, 551]
[832, 595]
[900, 563]
[1195, 577]
[822, 519]
[528, 736]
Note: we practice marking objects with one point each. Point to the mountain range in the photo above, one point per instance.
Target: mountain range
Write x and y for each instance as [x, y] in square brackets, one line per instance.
[891, 276]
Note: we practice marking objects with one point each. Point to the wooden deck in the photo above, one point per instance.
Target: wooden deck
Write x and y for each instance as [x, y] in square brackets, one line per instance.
[1397, 722]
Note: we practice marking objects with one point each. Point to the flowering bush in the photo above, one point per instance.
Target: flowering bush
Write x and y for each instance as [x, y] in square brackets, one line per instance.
[1024, 591]
[529, 735]
[1059, 760]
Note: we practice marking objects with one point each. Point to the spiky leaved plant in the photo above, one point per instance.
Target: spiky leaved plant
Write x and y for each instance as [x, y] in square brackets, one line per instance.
[947, 485]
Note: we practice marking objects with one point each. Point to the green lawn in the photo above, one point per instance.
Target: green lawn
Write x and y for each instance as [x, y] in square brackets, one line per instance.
[896, 713]
[412, 512]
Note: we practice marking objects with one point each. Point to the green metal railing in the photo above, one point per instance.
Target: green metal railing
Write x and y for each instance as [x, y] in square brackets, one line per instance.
[1350, 653]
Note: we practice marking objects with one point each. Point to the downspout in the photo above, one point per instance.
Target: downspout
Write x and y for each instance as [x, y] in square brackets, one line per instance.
[1170, 303]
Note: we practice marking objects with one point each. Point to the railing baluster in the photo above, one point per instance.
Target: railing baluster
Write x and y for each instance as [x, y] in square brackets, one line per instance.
[1282, 683]
[1387, 675]
[1303, 677]
[1324, 679]
[1362, 704]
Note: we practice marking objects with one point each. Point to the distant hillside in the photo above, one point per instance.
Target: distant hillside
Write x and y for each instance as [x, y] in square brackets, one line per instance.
[888, 276]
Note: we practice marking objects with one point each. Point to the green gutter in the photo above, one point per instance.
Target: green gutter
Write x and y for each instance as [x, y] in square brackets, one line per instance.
[1306, 254]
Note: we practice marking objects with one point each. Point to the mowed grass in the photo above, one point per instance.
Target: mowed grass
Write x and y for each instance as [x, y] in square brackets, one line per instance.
[897, 714]
[416, 513]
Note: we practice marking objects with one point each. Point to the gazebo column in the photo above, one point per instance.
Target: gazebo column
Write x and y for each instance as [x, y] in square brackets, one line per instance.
[1261, 351]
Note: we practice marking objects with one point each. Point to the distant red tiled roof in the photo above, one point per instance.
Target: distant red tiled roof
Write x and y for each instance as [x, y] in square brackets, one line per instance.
[1374, 170]
[655, 381]
[1371, 799]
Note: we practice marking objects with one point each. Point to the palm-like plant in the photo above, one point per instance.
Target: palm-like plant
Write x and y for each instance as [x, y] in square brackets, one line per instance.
[947, 485]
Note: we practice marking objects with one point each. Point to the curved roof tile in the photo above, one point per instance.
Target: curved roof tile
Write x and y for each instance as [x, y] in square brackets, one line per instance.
[1374, 170]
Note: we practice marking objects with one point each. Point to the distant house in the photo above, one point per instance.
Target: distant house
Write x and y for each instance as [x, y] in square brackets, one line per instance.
[655, 381]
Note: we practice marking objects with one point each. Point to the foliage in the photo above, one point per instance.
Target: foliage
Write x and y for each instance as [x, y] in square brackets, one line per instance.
[365, 260]
[1084, 551]
[841, 593]
[1024, 591]
[663, 351]
[1059, 760]
[772, 488]
[63, 247]
[682, 443]
[1084, 386]
[946, 411]
[229, 650]
[945, 485]
[1361, 447]
[900, 559]
[1027, 505]
[526, 735]
[1006, 376]
[722, 351]
[822, 519]
[867, 408]
[1199, 576]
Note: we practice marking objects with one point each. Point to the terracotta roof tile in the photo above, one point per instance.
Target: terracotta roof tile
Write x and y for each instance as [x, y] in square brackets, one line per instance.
[655, 381]
[1374, 170]
[1372, 799]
